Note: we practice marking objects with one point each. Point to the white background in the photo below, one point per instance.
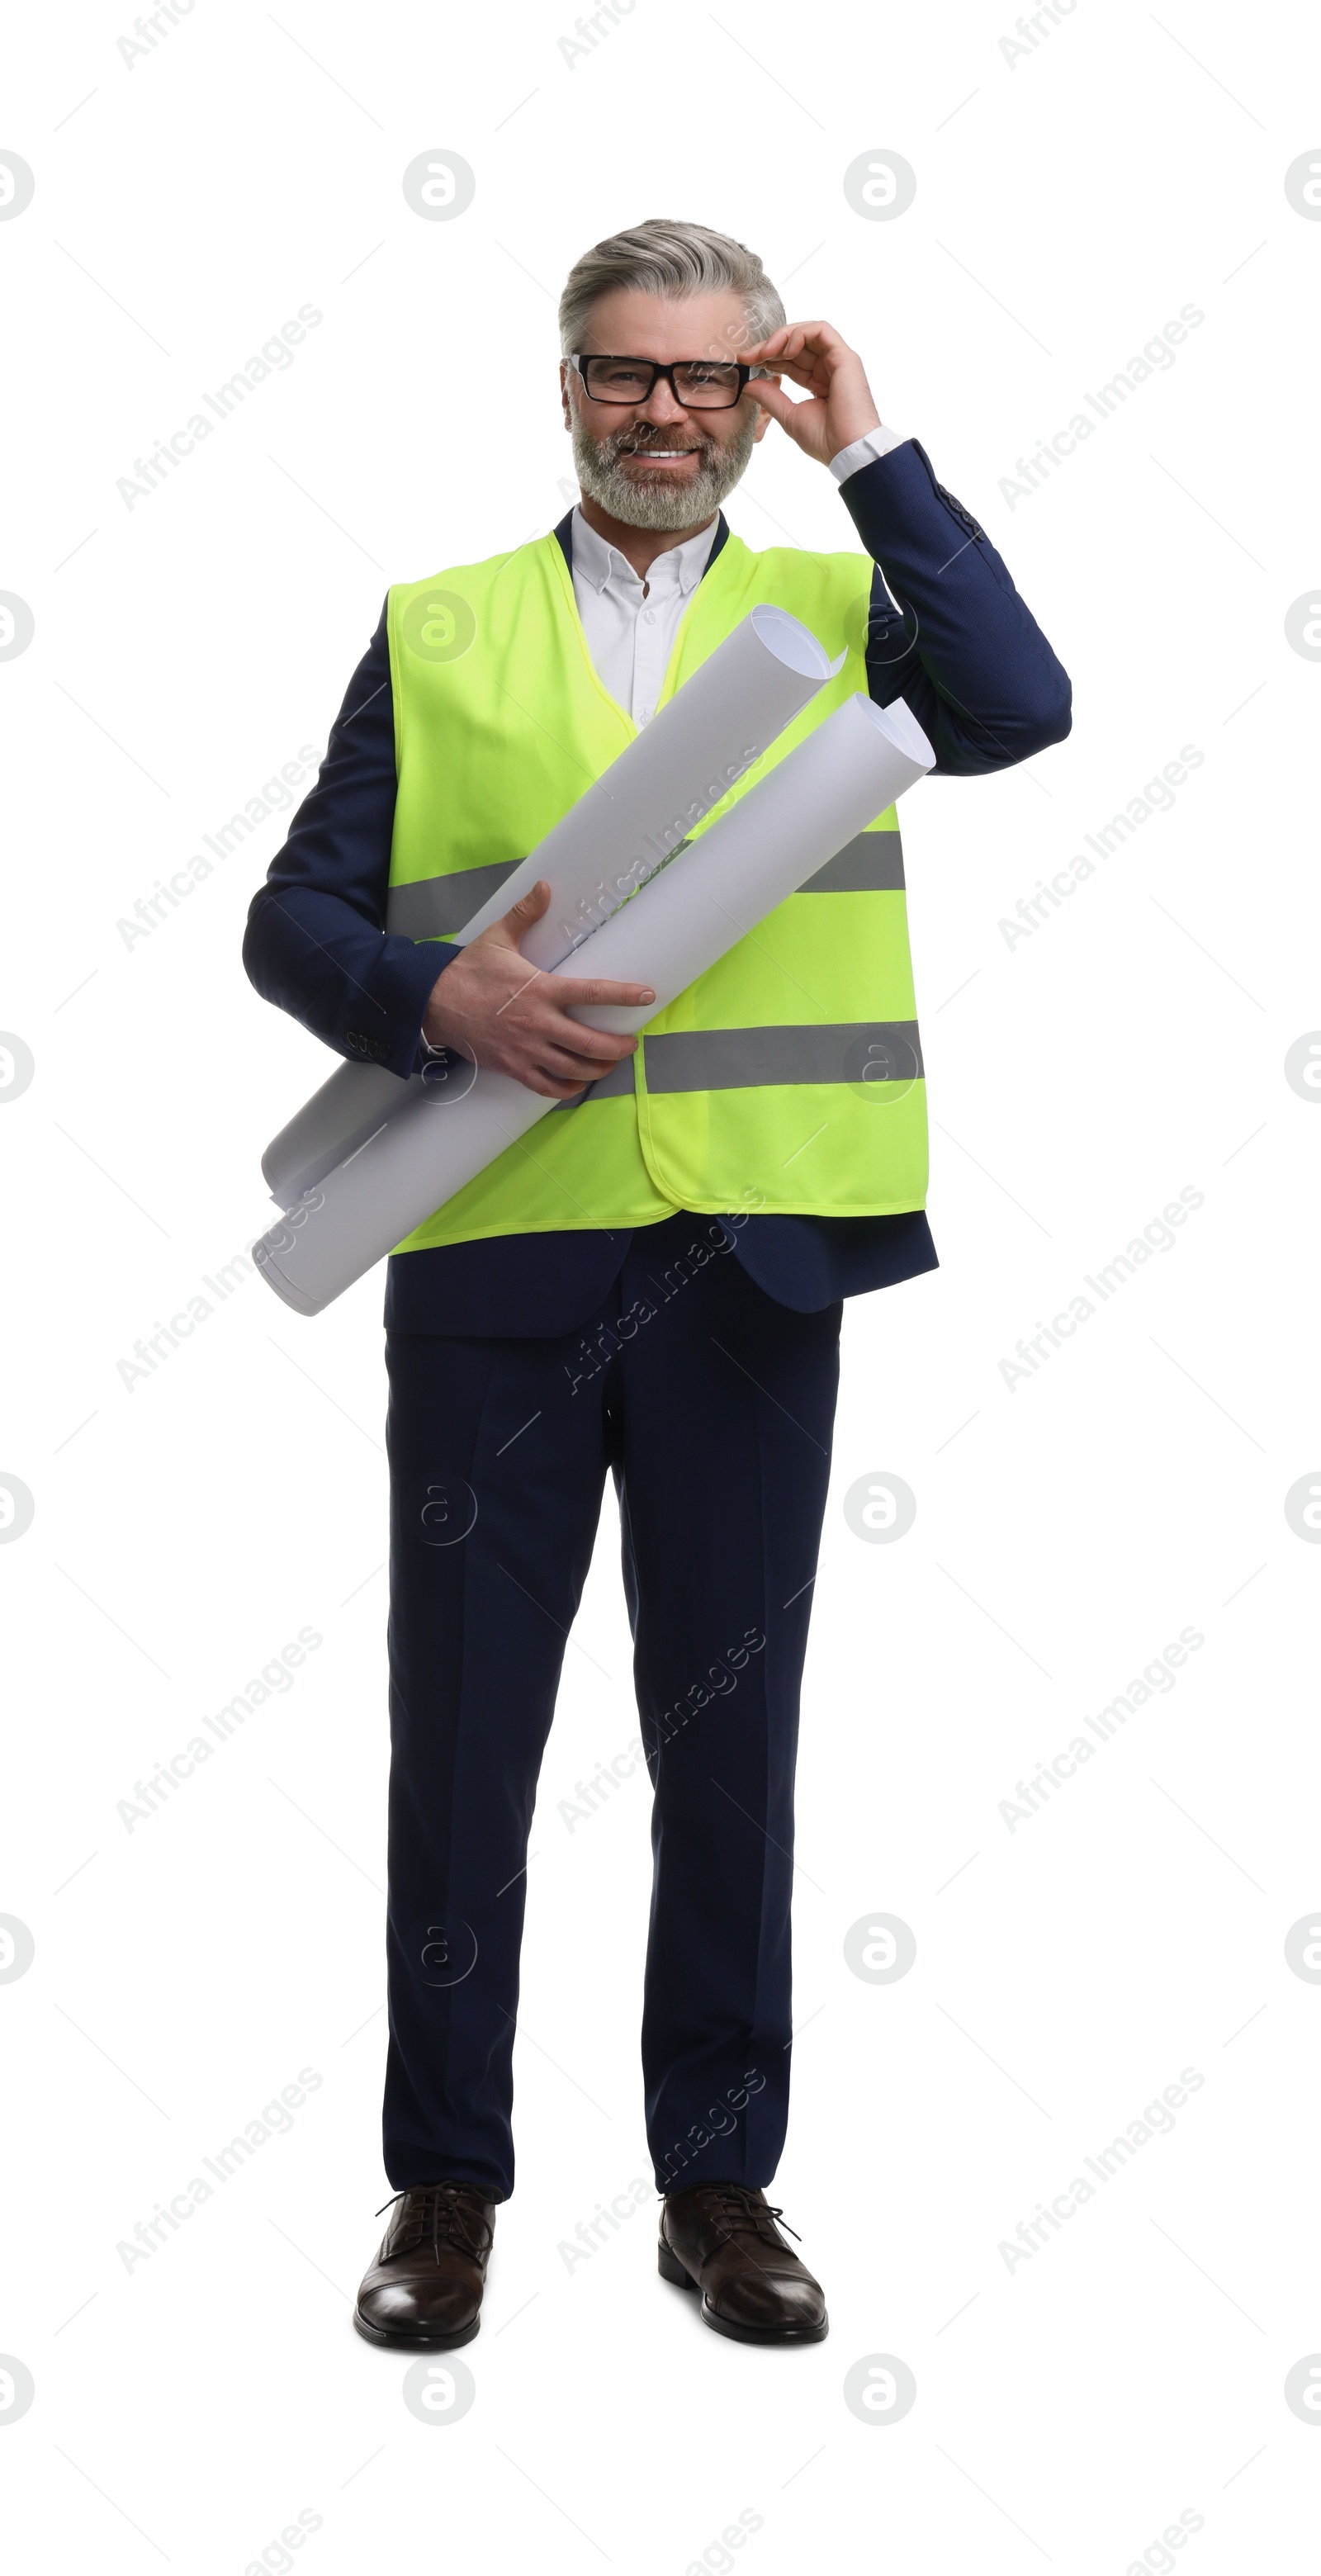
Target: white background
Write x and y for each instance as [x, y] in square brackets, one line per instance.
[1068, 203]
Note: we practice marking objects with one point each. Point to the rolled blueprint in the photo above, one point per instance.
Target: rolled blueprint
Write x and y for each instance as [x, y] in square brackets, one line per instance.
[850, 768]
[630, 823]
[331, 1125]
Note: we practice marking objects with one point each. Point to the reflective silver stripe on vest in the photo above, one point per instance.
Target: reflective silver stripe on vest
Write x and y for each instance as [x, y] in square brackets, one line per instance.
[435, 907]
[852, 1051]
[873, 863]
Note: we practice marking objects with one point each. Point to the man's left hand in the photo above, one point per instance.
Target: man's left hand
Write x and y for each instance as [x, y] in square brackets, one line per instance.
[840, 407]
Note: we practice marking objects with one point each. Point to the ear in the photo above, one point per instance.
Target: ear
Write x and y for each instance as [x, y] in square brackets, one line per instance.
[564, 393]
[774, 377]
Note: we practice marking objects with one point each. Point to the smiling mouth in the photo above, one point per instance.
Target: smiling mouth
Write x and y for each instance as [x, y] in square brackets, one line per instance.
[660, 455]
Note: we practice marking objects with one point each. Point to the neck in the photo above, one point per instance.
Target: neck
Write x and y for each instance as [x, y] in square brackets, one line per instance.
[638, 546]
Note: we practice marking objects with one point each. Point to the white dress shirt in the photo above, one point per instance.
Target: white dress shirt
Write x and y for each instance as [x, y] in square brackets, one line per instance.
[631, 622]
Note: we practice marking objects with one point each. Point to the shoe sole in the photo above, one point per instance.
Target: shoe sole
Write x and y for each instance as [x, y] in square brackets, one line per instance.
[671, 2269]
[415, 2342]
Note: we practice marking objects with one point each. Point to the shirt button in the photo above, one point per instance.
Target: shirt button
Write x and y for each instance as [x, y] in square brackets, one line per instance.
[648, 617]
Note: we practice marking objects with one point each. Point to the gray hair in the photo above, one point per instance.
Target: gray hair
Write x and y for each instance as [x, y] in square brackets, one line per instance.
[672, 259]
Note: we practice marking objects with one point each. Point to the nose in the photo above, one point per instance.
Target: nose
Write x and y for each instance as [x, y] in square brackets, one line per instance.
[660, 406]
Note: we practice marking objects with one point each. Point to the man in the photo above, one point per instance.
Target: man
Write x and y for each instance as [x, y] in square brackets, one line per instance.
[653, 1281]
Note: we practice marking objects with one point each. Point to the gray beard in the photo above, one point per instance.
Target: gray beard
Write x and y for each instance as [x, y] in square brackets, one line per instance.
[660, 504]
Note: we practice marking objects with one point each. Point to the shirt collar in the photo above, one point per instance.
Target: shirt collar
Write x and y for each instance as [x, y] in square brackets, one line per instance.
[600, 563]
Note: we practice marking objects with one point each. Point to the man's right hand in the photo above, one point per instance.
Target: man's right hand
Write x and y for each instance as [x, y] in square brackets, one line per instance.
[509, 1016]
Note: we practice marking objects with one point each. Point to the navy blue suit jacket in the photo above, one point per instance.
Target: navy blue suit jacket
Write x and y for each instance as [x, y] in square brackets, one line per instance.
[947, 632]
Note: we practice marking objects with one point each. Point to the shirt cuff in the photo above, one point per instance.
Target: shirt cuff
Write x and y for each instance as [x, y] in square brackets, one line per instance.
[864, 451]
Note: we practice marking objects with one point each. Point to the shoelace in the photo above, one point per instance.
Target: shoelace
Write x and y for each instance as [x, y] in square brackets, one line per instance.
[733, 2207]
[443, 2212]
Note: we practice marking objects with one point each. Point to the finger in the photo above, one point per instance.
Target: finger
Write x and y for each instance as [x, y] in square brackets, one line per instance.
[543, 1028]
[548, 1086]
[567, 991]
[784, 344]
[513, 925]
[806, 367]
[601, 1048]
[814, 335]
[554, 1014]
[579, 1039]
[814, 347]
[576, 1076]
[772, 398]
[530, 906]
[776, 401]
[572, 1071]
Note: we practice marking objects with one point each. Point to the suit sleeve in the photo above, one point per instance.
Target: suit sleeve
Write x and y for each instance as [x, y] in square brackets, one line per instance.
[316, 943]
[947, 630]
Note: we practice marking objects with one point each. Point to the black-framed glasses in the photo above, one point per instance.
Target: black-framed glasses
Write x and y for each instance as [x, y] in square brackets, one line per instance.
[699, 384]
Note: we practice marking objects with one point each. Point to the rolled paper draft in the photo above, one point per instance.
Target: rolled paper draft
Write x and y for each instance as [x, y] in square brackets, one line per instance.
[629, 823]
[826, 791]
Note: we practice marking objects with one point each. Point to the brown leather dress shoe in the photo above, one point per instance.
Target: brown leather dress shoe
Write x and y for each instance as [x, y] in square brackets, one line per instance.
[721, 2238]
[425, 2286]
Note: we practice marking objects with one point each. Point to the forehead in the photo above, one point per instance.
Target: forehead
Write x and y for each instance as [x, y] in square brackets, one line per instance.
[629, 323]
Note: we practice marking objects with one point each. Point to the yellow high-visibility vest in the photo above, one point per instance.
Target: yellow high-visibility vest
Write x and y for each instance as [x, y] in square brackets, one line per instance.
[789, 1076]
